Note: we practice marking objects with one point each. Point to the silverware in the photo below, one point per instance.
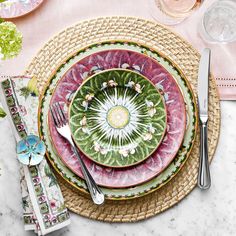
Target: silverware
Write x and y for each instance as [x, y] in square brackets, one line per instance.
[204, 178]
[63, 129]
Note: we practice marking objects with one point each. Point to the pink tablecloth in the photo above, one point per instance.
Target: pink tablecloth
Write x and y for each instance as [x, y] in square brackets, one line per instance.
[54, 15]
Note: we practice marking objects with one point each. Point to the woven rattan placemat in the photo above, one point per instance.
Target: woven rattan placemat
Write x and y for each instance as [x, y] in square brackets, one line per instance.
[175, 48]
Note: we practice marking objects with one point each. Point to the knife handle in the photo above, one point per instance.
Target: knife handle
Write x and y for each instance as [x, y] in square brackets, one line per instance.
[204, 178]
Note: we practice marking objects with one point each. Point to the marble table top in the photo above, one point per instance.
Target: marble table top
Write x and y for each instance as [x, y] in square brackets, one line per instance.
[211, 212]
[203, 213]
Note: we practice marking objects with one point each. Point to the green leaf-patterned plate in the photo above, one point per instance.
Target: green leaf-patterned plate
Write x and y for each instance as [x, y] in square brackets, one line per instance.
[117, 118]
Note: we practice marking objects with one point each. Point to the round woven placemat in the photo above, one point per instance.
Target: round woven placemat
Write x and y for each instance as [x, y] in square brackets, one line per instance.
[156, 36]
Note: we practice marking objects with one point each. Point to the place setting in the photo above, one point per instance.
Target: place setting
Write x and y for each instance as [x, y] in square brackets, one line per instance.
[132, 114]
[116, 119]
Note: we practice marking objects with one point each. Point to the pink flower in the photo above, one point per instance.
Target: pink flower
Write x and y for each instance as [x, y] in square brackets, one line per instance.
[53, 204]
[23, 110]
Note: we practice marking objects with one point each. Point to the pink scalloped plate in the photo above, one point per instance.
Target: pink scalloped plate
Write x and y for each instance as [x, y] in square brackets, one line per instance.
[16, 8]
[176, 116]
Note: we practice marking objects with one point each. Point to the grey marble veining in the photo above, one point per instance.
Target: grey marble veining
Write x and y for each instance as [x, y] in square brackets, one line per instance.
[209, 213]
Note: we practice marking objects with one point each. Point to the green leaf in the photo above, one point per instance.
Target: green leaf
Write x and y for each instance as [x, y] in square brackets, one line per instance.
[25, 92]
[2, 113]
[53, 182]
[51, 176]
[61, 208]
[47, 170]
[25, 203]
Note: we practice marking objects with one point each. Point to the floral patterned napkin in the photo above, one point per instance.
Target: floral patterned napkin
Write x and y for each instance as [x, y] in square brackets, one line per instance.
[44, 210]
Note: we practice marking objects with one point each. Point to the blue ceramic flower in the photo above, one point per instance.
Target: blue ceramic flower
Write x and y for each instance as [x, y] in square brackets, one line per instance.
[31, 150]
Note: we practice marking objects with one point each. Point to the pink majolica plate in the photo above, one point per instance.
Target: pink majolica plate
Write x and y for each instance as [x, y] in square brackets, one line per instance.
[175, 106]
[17, 8]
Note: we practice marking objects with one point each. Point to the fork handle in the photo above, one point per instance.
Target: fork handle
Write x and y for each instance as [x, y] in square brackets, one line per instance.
[95, 192]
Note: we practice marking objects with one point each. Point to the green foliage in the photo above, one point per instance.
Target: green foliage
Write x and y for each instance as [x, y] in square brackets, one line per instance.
[25, 203]
[51, 176]
[25, 92]
[2, 113]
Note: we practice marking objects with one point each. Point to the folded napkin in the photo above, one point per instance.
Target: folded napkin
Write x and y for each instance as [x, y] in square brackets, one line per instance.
[223, 57]
[227, 88]
[44, 210]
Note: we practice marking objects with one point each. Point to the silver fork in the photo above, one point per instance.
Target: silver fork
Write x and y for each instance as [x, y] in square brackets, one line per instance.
[63, 129]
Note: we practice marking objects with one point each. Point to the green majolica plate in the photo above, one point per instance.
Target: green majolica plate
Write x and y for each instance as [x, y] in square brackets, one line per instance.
[117, 118]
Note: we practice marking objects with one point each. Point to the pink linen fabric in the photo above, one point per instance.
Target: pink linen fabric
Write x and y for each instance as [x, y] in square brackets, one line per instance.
[54, 15]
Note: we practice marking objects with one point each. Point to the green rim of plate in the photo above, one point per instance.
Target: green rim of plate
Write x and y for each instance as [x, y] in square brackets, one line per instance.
[184, 151]
[117, 118]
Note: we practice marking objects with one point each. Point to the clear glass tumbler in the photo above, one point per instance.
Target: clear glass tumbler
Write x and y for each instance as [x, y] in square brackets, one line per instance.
[219, 22]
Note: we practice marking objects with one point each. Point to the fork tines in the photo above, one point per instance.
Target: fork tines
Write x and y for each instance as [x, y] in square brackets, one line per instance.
[58, 114]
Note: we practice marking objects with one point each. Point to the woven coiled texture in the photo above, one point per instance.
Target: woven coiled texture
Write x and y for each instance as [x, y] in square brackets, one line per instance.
[70, 40]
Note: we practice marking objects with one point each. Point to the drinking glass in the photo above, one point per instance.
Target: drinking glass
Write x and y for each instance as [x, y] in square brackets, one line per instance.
[219, 22]
[171, 12]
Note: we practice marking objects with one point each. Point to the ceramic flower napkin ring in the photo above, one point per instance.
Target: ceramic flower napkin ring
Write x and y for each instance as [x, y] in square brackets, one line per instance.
[44, 210]
[30, 150]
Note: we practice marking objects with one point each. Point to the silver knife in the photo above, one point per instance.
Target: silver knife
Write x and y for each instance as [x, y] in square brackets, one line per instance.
[204, 178]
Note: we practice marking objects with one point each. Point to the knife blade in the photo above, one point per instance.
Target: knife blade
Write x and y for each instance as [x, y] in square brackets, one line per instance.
[203, 77]
[204, 179]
